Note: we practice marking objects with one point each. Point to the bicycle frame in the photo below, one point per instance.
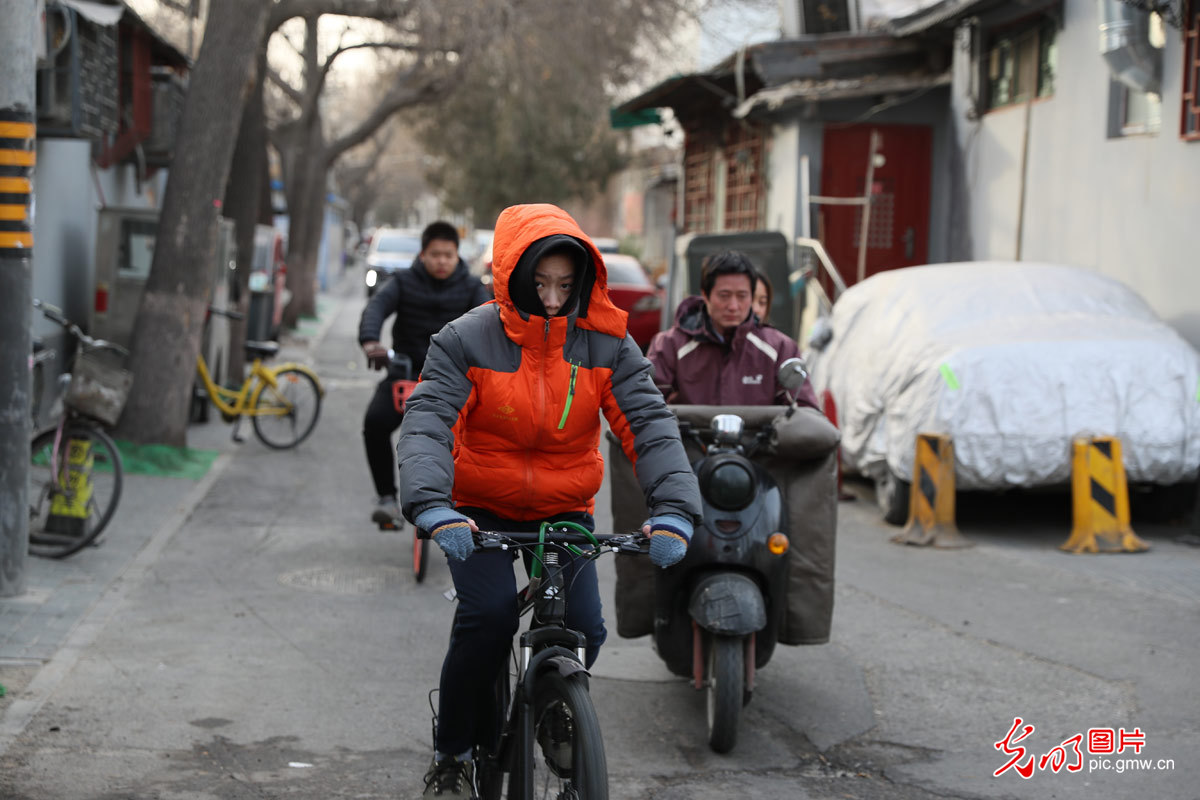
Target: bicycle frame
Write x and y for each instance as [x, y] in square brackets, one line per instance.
[547, 644]
[243, 401]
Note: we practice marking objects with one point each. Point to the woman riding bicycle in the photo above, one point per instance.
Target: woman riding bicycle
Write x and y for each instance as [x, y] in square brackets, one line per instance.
[508, 414]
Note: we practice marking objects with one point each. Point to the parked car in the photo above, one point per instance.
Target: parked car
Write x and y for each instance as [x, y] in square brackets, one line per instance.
[606, 244]
[391, 249]
[631, 289]
[1012, 360]
[474, 246]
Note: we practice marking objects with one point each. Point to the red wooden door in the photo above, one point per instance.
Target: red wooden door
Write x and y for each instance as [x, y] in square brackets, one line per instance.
[898, 227]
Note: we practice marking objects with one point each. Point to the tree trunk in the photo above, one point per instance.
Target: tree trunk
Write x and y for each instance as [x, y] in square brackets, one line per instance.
[166, 336]
[243, 198]
[306, 215]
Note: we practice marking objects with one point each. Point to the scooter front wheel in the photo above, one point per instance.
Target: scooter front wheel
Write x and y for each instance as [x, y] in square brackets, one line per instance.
[726, 679]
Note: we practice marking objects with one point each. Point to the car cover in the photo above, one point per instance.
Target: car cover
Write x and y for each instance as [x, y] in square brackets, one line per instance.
[1013, 361]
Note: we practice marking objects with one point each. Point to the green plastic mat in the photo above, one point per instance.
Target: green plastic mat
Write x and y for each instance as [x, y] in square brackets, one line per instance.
[166, 461]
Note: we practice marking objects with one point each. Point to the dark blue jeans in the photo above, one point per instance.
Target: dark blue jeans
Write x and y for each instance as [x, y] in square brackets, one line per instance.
[486, 622]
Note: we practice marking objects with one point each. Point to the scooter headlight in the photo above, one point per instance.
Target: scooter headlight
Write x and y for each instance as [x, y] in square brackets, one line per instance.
[729, 485]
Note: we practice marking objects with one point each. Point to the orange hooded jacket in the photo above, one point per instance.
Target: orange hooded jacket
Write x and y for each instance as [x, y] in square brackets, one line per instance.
[516, 398]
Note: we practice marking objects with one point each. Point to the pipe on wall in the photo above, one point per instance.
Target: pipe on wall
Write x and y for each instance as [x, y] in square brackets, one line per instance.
[1125, 46]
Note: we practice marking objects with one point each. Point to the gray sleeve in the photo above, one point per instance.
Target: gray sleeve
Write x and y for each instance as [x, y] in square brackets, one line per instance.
[640, 418]
[426, 444]
[381, 306]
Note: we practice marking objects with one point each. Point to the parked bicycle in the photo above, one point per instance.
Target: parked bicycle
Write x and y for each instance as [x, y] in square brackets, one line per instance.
[283, 402]
[542, 702]
[75, 473]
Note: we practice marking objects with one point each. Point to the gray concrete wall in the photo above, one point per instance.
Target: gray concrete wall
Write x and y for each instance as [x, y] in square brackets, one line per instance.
[64, 229]
[68, 195]
[1127, 207]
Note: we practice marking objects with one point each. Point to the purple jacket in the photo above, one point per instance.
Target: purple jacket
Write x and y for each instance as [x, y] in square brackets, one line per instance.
[692, 366]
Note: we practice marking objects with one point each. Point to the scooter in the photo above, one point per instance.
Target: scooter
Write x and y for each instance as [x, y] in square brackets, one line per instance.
[718, 612]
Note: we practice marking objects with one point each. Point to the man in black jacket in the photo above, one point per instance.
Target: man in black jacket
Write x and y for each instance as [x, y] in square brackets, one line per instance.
[436, 289]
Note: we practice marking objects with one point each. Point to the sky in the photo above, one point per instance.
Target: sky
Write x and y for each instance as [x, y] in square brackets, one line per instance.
[731, 26]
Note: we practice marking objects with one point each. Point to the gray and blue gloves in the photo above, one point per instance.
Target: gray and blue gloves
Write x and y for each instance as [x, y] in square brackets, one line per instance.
[669, 537]
[451, 530]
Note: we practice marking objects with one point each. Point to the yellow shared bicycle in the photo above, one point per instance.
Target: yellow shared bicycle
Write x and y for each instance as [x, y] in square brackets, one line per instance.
[283, 402]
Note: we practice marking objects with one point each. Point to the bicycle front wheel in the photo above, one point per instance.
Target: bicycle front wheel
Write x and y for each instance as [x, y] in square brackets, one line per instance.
[490, 763]
[286, 413]
[73, 491]
[568, 735]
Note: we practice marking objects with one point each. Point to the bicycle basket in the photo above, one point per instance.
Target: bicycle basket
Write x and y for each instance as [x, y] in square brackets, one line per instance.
[98, 387]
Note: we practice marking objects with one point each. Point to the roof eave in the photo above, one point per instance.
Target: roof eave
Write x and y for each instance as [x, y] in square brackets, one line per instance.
[780, 98]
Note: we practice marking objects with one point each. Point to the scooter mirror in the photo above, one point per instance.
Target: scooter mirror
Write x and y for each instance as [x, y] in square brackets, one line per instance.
[792, 374]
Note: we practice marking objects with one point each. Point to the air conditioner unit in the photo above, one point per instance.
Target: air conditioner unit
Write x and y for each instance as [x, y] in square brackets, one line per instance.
[168, 91]
[77, 91]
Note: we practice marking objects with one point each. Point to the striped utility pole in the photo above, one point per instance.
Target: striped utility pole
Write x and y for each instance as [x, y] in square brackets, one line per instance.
[18, 146]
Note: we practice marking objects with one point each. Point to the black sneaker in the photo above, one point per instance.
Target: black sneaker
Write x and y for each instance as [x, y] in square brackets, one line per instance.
[386, 514]
[451, 779]
[556, 735]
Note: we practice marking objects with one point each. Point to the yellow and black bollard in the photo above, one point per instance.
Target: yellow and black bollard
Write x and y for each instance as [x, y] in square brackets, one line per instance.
[70, 508]
[931, 502]
[1100, 500]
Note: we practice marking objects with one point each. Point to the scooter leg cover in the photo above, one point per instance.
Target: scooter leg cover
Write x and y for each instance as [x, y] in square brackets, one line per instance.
[811, 491]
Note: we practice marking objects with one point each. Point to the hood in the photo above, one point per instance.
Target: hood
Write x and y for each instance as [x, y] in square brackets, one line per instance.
[690, 315]
[692, 318]
[520, 226]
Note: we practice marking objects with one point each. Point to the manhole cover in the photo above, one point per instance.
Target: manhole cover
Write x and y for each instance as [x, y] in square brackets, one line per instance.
[345, 580]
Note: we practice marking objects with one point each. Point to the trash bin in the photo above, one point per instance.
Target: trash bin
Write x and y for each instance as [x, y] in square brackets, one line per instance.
[258, 323]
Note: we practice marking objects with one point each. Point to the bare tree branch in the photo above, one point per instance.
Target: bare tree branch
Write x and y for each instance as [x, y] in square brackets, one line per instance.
[377, 45]
[371, 9]
[404, 95]
[294, 94]
[287, 37]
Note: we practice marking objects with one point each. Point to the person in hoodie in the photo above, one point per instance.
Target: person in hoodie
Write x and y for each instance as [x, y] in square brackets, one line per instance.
[719, 352]
[434, 290]
[503, 433]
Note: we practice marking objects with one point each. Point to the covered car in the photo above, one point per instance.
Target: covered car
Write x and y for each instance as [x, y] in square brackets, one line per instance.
[1012, 360]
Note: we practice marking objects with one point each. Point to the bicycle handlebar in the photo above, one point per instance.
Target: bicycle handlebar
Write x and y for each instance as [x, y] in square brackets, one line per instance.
[55, 314]
[617, 542]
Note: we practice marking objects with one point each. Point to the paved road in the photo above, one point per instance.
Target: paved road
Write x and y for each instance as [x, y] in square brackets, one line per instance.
[252, 636]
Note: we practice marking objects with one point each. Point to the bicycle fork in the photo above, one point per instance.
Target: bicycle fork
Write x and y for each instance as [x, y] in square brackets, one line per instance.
[542, 650]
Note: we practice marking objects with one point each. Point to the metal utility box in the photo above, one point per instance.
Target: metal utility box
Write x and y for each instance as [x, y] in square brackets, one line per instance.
[767, 250]
[125, 239]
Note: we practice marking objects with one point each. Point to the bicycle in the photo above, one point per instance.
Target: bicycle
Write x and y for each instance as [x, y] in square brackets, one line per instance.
[401, 364]
[543, 698]
[283, 402]
[75, 473]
